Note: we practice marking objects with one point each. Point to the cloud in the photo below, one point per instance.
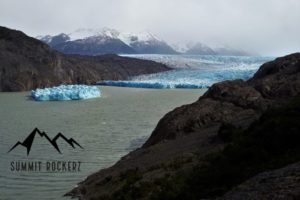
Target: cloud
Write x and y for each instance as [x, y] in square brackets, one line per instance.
[263, 26]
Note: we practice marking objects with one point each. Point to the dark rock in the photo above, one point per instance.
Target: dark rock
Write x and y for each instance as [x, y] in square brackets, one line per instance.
[58, 39]
[234, 101]
[278, 184]
[279, 78]
[191, 131]
[286, 65]
[27, 63]
[96, 45]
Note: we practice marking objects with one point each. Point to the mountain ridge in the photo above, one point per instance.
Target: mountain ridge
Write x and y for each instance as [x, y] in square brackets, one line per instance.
[27, 63]
[127, 43]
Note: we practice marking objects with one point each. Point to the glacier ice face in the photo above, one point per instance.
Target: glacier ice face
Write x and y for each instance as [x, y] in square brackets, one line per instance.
[191, 71]
[204, 61]
[184, 78]
[66, 92]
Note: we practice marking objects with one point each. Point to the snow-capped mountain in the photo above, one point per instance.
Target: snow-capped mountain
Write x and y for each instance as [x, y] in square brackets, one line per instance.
[107, 40]
[54, 40]
[146, 43]
[192, 48]
[100, 41]
[83, 33]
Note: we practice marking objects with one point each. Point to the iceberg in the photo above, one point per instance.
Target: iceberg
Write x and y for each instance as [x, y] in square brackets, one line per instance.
[66, 92]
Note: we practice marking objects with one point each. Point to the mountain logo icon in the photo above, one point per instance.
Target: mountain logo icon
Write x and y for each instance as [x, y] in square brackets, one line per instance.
[27, 143]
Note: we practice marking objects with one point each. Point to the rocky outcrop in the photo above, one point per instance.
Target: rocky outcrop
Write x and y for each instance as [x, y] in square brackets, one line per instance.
[27, 63]
[190, 132]
[237, 102]
[278, 184]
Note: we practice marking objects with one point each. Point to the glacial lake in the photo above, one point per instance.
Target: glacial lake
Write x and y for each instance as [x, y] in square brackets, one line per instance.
[107, 128]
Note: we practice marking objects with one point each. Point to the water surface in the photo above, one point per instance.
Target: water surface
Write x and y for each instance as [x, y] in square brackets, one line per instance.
[107, 128]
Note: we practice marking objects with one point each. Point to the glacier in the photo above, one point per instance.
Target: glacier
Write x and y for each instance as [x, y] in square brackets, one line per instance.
[66, 92]
[193, 71]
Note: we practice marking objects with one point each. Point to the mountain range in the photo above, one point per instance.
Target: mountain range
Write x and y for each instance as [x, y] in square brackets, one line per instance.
[106, 40]
[27, 63]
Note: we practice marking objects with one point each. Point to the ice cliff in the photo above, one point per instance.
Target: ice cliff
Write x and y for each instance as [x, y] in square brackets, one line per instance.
[66, 92]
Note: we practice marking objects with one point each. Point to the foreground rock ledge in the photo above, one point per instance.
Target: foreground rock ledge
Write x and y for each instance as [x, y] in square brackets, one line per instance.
[190, 130]
[282, 184]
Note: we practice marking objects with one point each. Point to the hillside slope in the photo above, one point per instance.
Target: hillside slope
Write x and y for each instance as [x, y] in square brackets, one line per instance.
[27, 63]
[204, 149]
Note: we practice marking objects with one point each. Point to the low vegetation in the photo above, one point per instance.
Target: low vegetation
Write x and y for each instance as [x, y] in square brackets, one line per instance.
[269, 143]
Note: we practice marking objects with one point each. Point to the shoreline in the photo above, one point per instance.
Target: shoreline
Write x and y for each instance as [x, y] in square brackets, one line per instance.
[107, 128]
[185, 136]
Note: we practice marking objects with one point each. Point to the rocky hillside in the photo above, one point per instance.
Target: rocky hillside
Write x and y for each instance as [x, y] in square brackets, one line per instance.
[236, 101]
[235, 131]
[27, 63]
[281, 183]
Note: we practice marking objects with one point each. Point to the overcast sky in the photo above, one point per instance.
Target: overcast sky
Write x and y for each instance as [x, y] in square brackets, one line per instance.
[269, 27]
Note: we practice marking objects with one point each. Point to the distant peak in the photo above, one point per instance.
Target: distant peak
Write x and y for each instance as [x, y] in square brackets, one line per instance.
[139, 42]
[83, 33]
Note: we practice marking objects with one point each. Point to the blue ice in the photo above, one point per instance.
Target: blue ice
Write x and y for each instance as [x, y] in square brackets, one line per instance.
[66, 92]
[193, 71]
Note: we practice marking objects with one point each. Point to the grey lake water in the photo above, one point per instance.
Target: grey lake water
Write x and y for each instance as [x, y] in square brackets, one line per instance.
[107, 128]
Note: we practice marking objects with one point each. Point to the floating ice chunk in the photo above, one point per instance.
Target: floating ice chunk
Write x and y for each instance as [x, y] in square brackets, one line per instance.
[66, 92]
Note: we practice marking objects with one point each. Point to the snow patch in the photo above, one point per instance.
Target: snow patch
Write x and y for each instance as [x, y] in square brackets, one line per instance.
[127, 37]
